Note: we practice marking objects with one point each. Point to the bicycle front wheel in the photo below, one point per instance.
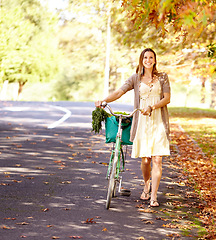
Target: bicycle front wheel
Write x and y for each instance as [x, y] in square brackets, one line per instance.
[112, 182]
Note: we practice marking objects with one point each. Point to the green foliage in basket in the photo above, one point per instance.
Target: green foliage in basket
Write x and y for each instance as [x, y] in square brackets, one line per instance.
[99, 115]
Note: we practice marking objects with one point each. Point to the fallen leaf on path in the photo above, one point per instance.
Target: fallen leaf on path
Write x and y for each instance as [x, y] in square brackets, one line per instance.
[89, 221]
[162, 219]
[17, 181]
[169, 194]
[54, 237]
[103, 163]
[75, 237]
[22, 223]
[147, 210]
[169, 225]
[6, 228]
[147, 221]
[82, 178]
[104, 230]
[45, 209]
[173, 235]
[66, 182]
[59, 161]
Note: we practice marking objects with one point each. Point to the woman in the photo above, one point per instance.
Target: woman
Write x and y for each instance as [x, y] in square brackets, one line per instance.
[150, 128]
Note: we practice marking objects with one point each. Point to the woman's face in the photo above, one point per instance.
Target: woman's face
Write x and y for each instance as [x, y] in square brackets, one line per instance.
[148, 60]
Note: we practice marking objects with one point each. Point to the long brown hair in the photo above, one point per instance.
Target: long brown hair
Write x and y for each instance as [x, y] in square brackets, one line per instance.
[140, 70]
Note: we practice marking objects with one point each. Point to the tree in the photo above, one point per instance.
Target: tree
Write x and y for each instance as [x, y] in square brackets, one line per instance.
[28, 51]
[82, 38]
[187, 17]
[172, 26]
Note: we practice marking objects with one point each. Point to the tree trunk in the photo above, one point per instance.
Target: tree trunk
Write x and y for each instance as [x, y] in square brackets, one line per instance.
[21, 85]
[213, 95]
[203, 90]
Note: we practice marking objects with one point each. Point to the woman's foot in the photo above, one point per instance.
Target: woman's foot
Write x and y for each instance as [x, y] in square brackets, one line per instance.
[145, 196]
[146, 193]
[154, 203]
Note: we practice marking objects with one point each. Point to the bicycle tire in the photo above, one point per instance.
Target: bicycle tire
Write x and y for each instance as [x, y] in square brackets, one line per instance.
[112, 183]
[114, 189]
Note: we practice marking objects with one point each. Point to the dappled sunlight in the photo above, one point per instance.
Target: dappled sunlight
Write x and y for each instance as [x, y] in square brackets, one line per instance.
[54, 181]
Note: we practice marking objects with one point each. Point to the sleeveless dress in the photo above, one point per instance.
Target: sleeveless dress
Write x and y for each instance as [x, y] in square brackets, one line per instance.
[150, 139]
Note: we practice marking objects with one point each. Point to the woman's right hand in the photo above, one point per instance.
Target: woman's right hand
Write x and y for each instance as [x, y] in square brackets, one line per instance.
[98, 104]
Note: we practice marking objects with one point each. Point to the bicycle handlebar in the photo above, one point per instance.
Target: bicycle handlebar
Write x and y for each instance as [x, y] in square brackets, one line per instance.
[104, 104]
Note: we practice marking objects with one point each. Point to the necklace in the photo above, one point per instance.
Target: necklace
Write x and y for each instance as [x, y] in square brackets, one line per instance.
[150, 84]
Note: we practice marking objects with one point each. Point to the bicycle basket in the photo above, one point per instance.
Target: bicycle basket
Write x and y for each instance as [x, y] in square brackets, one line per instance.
[111, 126]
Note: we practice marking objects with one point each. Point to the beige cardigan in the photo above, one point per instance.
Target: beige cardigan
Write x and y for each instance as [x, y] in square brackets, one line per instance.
[133, 83]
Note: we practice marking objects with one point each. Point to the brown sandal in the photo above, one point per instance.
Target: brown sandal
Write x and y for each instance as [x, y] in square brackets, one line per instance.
[154, 203]
[145, 197]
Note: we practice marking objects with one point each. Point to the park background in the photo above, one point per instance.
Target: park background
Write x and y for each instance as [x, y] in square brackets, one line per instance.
[68, 50]
[81, 50]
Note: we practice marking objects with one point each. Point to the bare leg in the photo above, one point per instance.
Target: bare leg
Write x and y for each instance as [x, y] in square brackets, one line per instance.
[146, 171]
[156, 177]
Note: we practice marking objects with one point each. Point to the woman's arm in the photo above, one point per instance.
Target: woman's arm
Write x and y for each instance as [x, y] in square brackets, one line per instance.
[112, 97]
[164, 101]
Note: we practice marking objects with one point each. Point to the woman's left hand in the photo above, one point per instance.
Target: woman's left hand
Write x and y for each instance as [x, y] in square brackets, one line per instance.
[146, 111]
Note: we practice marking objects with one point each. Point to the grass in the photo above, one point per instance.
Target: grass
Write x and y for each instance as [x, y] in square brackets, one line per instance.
[200, 124]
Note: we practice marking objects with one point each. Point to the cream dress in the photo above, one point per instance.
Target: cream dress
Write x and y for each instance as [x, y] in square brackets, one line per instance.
[150, 139]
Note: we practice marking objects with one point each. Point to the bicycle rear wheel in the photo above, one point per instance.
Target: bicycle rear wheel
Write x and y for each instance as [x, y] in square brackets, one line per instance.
[112, 182]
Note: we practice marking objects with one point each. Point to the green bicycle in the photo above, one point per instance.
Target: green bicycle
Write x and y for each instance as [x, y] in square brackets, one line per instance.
[117, 159]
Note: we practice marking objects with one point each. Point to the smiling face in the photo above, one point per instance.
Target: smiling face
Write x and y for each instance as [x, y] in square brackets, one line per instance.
[149, 60]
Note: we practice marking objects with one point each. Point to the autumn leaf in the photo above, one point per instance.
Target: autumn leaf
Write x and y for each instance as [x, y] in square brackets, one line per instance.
[10, 218]
[89, 221]
[16, 181]
[75, 237]
[147, 221]
[147, 210]
[169, 225]
[66, 182]
[104, 230]
[6, 228]
[22, 223]
[45, 209]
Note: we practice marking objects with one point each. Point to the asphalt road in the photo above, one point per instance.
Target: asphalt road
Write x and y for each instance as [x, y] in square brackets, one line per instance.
[53, 186]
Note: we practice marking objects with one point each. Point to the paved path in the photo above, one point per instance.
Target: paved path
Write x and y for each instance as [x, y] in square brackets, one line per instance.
[53, 186]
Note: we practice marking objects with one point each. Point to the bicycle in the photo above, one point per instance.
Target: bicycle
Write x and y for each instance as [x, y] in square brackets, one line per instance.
[117, 158]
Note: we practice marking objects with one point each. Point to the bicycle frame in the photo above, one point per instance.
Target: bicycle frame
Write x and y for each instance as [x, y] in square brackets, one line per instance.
[114, 168]
[118, 149]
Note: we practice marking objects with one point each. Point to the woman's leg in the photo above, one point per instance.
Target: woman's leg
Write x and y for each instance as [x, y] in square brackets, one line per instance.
[156, 177]
[146, 171]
